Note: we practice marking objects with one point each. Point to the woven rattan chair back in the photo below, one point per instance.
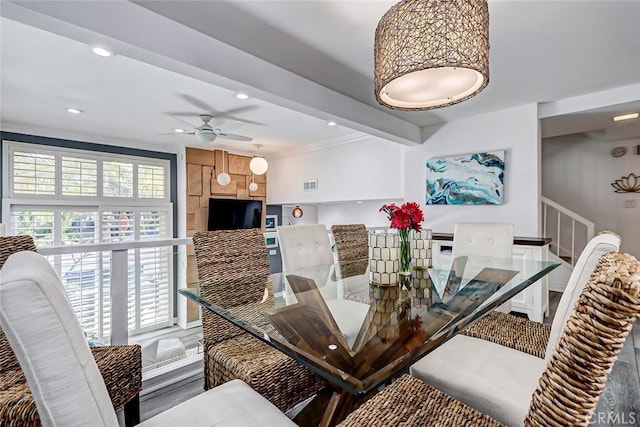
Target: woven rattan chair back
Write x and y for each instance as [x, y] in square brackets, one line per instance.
[351, 241]
[233, 268]
[8, 246]
[603, 316]
[352, 246]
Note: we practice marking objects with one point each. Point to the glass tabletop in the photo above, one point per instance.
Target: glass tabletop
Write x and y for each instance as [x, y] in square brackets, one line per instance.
[356, 334]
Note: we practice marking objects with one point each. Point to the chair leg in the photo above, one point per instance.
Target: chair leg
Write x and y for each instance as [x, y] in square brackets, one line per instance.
[132, 412]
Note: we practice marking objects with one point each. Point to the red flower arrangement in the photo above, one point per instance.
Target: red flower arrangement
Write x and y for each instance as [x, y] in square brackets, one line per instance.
[409, 215]
[403, 218]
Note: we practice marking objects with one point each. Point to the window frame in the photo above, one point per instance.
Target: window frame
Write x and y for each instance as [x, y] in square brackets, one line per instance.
[57, 202]
[100, 158]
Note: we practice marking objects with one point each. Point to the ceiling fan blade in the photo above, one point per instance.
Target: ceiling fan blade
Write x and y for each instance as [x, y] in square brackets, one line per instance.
[191, 126]
[237, 110]
[224, 127]
[201, 105]
[235, 137]
[251, 122]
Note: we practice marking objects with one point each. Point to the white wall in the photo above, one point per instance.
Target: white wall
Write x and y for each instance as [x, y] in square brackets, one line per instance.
[309, 215]
[367, 213]
[513, 130]
[370, 168]
[577, 172]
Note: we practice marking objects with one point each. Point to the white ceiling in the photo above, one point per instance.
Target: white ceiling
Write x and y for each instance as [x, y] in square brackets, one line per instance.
[315, 64]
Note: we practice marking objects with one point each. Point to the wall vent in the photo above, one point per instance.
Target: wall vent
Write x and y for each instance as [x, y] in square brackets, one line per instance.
[311, 185]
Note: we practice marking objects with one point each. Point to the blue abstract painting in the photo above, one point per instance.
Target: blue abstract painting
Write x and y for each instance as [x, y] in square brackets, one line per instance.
[470, 179]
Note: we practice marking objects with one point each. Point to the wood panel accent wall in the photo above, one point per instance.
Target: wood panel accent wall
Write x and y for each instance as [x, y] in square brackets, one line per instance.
[202, 169]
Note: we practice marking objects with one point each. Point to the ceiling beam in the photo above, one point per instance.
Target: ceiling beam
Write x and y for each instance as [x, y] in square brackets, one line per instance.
[141, 34]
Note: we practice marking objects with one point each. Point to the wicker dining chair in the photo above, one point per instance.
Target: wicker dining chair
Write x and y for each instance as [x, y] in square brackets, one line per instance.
[233, 268]
[533, 337]
[352, 241]
[119, 365]
[568, 390]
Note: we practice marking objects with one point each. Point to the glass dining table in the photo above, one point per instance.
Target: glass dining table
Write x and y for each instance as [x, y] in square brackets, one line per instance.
[358, 334]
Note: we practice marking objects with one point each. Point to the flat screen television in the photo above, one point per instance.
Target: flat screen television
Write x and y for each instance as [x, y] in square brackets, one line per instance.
[231, 214]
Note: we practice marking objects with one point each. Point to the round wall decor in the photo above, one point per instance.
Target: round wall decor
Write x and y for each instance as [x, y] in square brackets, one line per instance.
[618, 151]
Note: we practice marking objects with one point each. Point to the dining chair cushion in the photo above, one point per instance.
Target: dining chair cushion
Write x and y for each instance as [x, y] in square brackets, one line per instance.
[484, 375]
[604, 242]
[35, 316]
[304, 246]
[231, 404]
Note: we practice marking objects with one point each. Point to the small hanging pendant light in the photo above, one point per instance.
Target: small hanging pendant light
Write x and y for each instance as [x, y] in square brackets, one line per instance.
[253, 186]
[297, 212]
[223, 178]
[258, 164]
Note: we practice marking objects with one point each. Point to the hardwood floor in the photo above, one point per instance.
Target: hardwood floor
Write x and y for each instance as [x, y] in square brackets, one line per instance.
[619, 404]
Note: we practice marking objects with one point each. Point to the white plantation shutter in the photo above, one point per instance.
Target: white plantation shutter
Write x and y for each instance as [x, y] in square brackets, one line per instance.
[33, 173]
[118, 226]
[151, 181]
[155, 285]
[155, 270]
[79, 177]
[34, 221]
[117, 179]
[69, 197]
[80, 275]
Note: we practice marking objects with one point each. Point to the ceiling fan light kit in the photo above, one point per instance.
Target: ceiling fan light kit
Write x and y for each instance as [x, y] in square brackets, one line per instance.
[431, 53]
[207, 134]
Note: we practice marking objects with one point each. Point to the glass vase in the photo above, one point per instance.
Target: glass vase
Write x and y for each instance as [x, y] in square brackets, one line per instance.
[405, 250]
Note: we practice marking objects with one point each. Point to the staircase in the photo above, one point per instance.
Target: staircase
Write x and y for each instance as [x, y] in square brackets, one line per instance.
[569, 233]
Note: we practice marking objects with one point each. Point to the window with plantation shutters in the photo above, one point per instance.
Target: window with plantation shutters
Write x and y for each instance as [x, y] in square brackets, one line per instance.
[34, 173]
[151, 182]
[117, 179]
[64, 197]
[79, 177]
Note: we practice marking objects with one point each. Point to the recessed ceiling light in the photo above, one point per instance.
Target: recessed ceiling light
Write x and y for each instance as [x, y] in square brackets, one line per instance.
[74, 110]
[178, 130]
[359, 202]
[101, 51]
[626, 117]
[331, 123]
[241, 95]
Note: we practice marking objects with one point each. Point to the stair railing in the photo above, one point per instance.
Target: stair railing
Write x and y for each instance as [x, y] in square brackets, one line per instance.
[557, 236]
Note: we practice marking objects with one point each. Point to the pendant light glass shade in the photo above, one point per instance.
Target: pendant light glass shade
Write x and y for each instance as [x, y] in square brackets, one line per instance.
[297, 212]
[223, 178]
[259, 165]
[253, 186]
[431, 53]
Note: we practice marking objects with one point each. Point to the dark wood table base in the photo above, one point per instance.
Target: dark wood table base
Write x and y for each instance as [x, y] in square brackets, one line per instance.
[329, 407]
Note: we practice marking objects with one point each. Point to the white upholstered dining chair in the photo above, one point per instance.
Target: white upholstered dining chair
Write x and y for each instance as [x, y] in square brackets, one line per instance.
[308, 246]
[498, 380]
[484, 239]
[64, 379]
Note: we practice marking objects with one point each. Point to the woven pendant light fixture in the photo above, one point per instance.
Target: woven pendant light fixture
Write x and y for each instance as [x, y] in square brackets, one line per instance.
[431, 53]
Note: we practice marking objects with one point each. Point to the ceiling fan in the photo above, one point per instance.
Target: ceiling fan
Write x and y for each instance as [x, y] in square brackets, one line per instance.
[206, 133]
